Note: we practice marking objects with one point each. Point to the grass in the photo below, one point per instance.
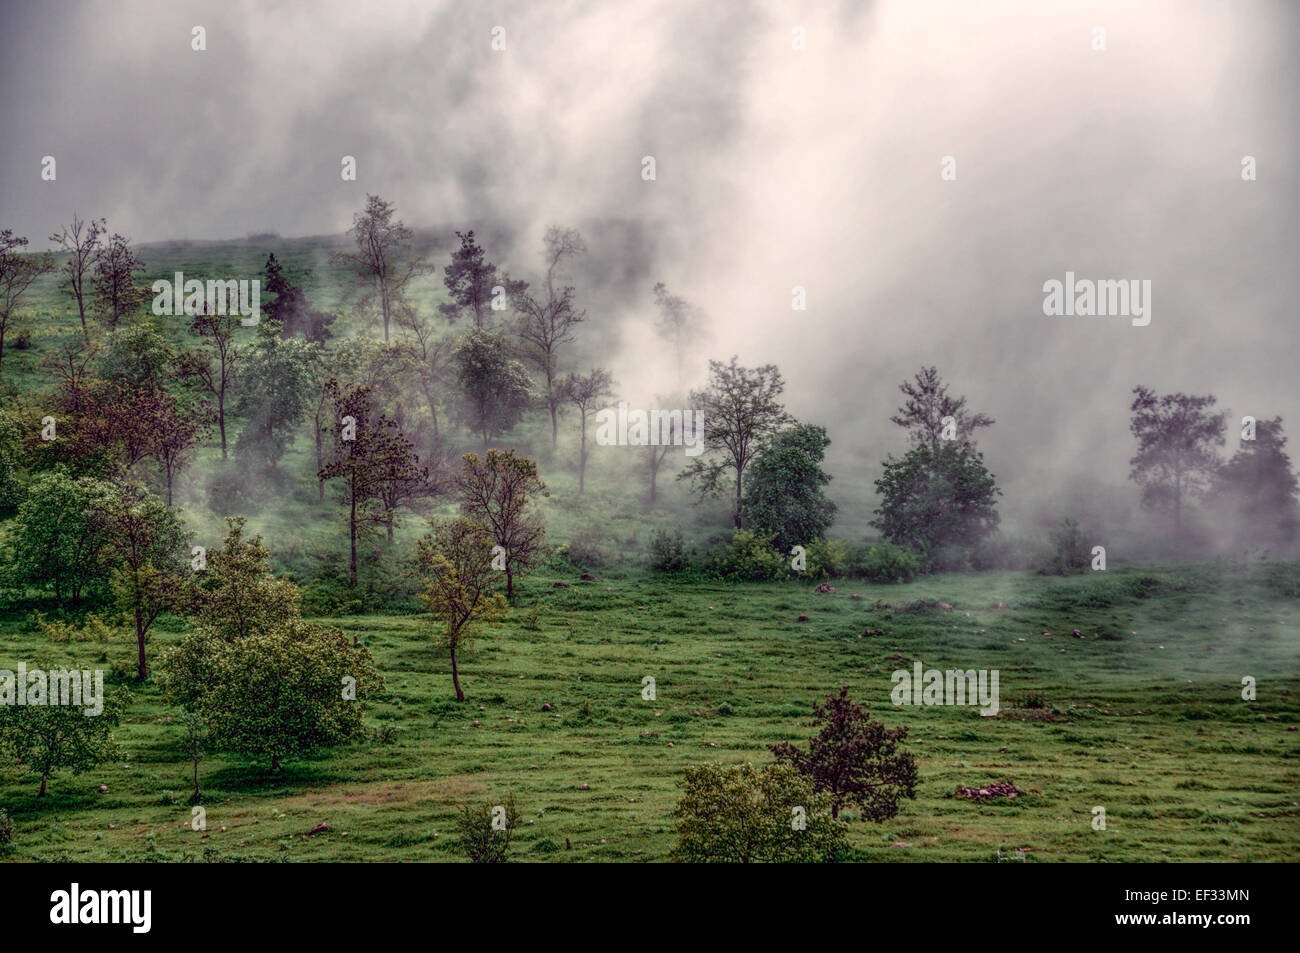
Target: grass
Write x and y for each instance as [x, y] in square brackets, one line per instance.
[1142, 716]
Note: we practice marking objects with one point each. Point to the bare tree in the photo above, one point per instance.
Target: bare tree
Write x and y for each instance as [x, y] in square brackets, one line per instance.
[115, 290]
[585, 393]
[17, 272]
[546, 325]
[381, 244]
[81, 240]
[215, 372]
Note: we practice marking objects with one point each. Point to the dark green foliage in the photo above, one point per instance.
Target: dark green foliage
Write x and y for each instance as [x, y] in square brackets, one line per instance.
[485, 830]
[785, 493]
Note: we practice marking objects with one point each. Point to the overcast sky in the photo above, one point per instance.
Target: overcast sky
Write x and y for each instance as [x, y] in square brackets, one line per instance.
[776, 167]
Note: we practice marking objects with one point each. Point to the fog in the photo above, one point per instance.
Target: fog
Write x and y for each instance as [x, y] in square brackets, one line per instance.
[775, 168]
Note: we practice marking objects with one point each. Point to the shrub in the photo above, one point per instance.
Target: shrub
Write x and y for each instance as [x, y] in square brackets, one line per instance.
[887, 562]
[667, 552]
[485, 830]
[1067, 552]
[827, 559]
[6, 829]
[586, 548]
[749, 557]
[740, 814]
[22, 341]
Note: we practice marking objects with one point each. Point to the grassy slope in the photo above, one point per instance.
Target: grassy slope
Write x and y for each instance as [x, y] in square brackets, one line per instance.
[1148, 723]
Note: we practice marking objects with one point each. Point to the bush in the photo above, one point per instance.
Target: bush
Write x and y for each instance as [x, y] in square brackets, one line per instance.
[1067, 553]
[749, 557]
[668, 552]
[482, 840]
[22, 341]
[6, 829]
[827, 559]
[739, 814]
[886, 562]
[586, 549]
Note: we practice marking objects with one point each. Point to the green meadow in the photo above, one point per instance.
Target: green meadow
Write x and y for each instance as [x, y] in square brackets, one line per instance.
[1141, 714]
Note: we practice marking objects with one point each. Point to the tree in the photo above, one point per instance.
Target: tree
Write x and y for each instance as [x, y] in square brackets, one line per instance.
[1175, 459]
[784, 497]
[742, 815]
[17, 272]
[287, 692]
[174, 434]
[49, 737]
[1257, 488]
[377, 464]
[455, 560]
[470, 280]
[382, 259]
[81, 241]
[136, 354]
[498, 492]
[195, 740]
[493, 389]
[58, 538]
[216, 371]
[928, 403]
[143, 540]
[678, 321]
[936, 497]
[273, 393]
[289, 308]
[854, 759]
[546, 325]
[239, 596]
[485, 830]
[116, 294]
[742, 412]
[586, 393]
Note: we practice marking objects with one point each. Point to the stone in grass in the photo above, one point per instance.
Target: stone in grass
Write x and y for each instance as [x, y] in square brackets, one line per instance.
[855, 595]
[559, 585]
[803, 618]
[826, 587]
[588, 577]
[997, 789]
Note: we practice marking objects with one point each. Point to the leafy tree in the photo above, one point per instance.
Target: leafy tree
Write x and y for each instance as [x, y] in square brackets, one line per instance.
[143, 540]
[1258, 487]
[49, 737]
[854, 759]
[378, 466]
[784, 497]
[13, 464]
[82, 242]
[274, 393]
[196, 733]
[283, 693]
[498, 492]
[174, 434]
[493, 388]
[1175, 459]
[17, 272]
[58, 537]
[382, 261]
[743, 815]
[742, 412]
[455, 560]
[927, 405]
[586, 393]
[137, 355]
[469, 280]
[239, 596]
[936, 496]
[545, 325]
[482, 840]
[116, 294]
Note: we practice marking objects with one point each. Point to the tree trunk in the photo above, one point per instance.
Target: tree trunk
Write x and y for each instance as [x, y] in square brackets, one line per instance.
[44, 777]
[582, 458]
[737, 518]
[555, 425]
[141, 673]
[275, 762]
[221, 419]
[197, 795]
[352, 533]
[455, 677]
[510, 580]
